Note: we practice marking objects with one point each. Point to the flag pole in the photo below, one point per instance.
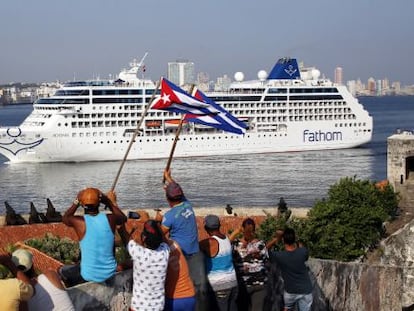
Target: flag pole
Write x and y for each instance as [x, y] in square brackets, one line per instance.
[144, 113]
[177, 133]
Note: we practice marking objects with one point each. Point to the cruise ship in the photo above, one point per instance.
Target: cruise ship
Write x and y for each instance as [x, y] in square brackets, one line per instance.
[290, 109]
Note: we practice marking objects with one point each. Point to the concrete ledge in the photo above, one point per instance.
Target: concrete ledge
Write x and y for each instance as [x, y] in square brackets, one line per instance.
[241, 211]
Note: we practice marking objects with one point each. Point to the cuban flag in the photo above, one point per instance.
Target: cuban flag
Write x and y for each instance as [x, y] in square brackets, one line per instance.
[198, 109]
[177, 100]
[222, 120]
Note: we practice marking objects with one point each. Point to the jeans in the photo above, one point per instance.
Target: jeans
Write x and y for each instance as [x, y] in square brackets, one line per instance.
[197, 269]
[304, 301]
[257, 296]
[71, 275]
[226, 299]
[180, 304]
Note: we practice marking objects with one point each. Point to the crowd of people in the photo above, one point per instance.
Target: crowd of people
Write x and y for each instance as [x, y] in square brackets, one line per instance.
[172, 270]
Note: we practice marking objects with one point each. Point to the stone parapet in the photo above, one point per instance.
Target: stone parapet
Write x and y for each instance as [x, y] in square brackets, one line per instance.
[337, 286]
[241, 211]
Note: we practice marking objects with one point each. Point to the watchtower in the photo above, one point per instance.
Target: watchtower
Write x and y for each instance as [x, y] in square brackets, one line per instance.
[400, 165]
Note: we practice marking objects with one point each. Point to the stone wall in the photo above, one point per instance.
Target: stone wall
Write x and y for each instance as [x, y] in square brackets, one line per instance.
[400, 147]
[114, 294]
[398, 251]
[356, 286]
[337, 286]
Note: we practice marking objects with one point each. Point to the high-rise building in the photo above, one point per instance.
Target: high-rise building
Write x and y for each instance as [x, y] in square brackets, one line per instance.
[371, 86]
[338, 75]
[181, 72]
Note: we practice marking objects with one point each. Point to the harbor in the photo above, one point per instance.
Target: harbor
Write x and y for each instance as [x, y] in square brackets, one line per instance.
[260, 180]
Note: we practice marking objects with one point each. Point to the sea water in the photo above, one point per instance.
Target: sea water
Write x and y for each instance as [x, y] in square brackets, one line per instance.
[240, 180]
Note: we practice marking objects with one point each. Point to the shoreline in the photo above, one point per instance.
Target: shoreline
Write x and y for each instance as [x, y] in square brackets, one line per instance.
[239, 211]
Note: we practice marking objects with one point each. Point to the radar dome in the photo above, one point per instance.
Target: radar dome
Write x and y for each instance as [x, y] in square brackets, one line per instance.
[262, 75]
[315, 74]
[239, 76]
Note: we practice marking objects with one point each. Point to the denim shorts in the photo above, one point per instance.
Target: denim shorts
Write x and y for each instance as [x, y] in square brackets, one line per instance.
[304, 301]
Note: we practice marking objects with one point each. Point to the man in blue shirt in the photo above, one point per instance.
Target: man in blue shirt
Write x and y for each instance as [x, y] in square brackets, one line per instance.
[180, 222]
[96, 233]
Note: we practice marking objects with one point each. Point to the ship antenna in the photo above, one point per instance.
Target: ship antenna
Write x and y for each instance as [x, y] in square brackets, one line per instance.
[142, 59]
[140, 64]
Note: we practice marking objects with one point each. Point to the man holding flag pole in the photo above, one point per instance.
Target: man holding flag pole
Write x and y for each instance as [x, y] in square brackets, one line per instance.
[180, 221]
[197, 109]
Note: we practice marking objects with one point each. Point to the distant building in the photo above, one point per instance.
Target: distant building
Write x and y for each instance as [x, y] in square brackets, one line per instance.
[379, 88]
[48, 89]
[338, 75]
[371, 86]
[223, 83]
[352, 87]
[181, 72]
[396, 86]
[203, 83]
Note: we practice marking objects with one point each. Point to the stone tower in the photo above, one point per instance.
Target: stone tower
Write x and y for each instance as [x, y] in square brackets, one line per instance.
[400, 165]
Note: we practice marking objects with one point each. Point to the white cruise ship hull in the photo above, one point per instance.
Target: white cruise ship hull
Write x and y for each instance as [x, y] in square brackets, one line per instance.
[316, 136]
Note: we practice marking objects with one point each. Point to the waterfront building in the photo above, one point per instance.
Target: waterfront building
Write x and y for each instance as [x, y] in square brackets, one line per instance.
[222, 83]
[181, 72]
[371, 86]
[352, 87]
[203, 82]
[338, 76]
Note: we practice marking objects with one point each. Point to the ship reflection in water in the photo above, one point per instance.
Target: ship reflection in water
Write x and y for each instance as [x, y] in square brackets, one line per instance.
[245, 180]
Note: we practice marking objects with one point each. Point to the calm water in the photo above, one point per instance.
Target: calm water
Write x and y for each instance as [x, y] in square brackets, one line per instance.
[246, 180]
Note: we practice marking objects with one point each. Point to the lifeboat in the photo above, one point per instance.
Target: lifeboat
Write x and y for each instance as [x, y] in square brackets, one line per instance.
[152, 123]
[173, 123]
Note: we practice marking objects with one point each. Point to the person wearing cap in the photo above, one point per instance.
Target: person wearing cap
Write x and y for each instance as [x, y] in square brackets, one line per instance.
[291, 261]
[14, 291]
[219, 265]
[150, 255]
[250, 257]
[96, 233]
[180, 223]
[49, 292]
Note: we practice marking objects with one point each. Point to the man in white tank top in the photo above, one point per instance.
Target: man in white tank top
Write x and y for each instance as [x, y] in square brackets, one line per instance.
[219, 265]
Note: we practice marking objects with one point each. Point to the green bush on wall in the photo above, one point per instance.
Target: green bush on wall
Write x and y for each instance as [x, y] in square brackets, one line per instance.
[345, 225]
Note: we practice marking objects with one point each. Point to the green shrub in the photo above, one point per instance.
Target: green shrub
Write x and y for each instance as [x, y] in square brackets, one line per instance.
[5, 273]
[121, 254]
[350, 221]
[64, 250]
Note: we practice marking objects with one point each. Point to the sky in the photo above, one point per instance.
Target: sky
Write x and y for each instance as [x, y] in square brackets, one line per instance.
[49, 40]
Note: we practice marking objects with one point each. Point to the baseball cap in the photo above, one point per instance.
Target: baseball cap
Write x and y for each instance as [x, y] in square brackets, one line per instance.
[174, 191]
[90, 196]
[211, 222]
[22, 259]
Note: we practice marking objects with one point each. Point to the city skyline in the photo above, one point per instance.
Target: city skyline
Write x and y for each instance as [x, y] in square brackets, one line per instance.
[49, 41]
